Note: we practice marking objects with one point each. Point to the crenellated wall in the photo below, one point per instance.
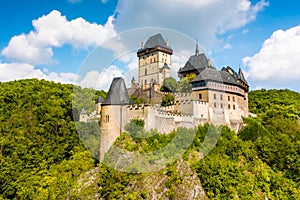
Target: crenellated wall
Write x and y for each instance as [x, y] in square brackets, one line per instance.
[184, 112]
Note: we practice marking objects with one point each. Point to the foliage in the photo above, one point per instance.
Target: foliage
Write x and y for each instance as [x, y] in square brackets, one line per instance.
[167, 100]
[170, 85]
[135, 127]
[41, 154]
[136, 100]
[184, 85]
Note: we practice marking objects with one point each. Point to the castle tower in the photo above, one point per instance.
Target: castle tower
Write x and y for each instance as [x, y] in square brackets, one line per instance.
[113, 114]
[98, 105]
[154, 61]
[83, 116]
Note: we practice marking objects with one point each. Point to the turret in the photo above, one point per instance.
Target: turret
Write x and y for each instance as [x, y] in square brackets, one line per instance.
[98, 105]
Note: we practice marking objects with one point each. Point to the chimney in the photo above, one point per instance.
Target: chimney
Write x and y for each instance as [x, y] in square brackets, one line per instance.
[167, 42]
[208, 63]
[143, 46]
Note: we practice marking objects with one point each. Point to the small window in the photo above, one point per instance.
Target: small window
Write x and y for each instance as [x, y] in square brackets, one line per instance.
[150, 60]
[145, 71]
[200, 96]
[145, 82]
[221, 105]
[215, 96]
[107, 118]
[215, 105]
[221, 97]
[233, 107]
[233, 99]
[228, 98]
[154, 59]
[228, 106]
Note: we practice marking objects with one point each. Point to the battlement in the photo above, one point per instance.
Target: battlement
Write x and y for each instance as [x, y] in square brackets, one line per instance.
[184, 96]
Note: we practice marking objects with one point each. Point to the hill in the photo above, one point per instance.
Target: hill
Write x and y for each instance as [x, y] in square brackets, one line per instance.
[42, 156]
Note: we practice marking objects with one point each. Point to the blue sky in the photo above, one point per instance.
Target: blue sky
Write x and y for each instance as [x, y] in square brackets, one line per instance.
[52, 39]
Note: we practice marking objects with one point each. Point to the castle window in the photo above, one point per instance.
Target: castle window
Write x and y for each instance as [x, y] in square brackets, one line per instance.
[233, 99]
[107, 118]
[228, 106]
[228, 98]
[146, 71]
[221, 105]
[233, 107]
[215, 96]
[200, 96]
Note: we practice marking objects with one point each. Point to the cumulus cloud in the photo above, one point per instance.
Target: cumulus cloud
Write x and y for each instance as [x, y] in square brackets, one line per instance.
[204, 19]
[277, 62]
[99, 80]
[54, 30]
[16, 71]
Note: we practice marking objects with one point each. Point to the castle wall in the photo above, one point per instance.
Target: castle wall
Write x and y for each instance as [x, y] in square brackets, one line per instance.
[202, 95]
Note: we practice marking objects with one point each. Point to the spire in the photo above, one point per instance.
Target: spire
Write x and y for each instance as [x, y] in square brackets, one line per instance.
[241, 75]
[197, 48]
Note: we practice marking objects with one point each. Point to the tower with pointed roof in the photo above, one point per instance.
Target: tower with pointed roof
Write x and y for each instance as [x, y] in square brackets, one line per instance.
[195, 64]
[154, 61]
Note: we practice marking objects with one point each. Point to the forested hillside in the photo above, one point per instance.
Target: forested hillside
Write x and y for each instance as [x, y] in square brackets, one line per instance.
[40, 152]
[42, 156]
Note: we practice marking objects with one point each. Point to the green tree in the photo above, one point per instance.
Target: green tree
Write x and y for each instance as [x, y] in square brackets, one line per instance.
[167, 100]
[185, 85]
[170, 85]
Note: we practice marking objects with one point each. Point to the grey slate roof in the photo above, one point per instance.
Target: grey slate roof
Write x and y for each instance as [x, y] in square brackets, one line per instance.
[212, 74]
[156, 40]
[196, 62]
[166, 66]
[117, 94]
[100, 100]
[83, 112]
[241, 75]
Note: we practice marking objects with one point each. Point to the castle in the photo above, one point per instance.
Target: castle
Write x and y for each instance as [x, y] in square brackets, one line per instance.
[216, 96]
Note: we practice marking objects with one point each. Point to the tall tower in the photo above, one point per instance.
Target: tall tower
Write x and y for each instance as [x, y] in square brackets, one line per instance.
[154, 61]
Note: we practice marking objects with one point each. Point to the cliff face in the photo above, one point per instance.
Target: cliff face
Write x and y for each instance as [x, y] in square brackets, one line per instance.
[175, 182]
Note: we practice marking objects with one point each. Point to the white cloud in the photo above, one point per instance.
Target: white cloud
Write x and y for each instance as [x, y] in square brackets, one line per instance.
[99, 80]
[277, 62]
[205, 19]
[54, 30]
[16, 71]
